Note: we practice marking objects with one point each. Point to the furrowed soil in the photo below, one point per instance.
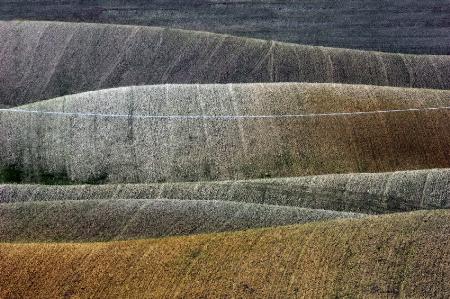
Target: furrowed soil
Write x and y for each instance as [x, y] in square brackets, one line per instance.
[150, 162]
[411, 26]
[105, 220]
[172, 133]
[400, 255]
[373, 193]
[42, 60]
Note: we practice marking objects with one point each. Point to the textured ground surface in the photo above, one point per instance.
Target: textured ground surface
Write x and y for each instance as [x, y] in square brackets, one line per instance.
[128, 169]
[42, 60]
[105, 220]
[408, 26]
[129, 148]
[400, 255]
[373, 193]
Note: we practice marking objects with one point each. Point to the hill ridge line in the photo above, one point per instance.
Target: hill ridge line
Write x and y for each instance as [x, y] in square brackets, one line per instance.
[219, 34]
[48, 60]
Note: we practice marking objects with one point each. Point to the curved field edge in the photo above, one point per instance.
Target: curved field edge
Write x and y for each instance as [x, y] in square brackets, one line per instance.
[358, 192]
[399, 255]
[40, 147]
[362, 24]
[42, 60]
[243, 99]
[106, 220]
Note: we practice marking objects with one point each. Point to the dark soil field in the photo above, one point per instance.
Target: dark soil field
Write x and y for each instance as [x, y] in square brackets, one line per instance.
[407, 26]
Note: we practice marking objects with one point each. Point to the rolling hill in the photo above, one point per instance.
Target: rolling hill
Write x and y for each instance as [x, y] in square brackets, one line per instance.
[43, 60]
[170, 133]
[106, 220]
[159, 162]
[372, 193]
[399, 255]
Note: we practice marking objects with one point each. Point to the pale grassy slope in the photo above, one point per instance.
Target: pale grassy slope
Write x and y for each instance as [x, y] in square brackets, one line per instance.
[400, 255]
[42, 60]
[123, 219]
[359, 192]
[190, 147]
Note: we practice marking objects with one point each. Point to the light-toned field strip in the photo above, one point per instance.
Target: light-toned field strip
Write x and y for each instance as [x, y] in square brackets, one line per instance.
[221, 117]
[184, 145]
[359, 192]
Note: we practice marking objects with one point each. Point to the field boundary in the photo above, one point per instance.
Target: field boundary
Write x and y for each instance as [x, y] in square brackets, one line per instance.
[225, 117]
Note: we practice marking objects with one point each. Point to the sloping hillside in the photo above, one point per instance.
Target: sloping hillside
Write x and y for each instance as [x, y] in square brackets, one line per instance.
[359, 192]
[400, 255]
[171, 133]
[42, 60]
[154, 162]
[106, 220]
[408, 26]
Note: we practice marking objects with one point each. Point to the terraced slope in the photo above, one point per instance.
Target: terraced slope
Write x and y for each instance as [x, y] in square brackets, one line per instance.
[42, 60]
[106, 220]
[400, 255]
[170, 133]
[393, 26]
[359, 192]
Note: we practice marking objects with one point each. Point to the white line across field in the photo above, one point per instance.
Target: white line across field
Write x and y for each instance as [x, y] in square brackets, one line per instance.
[222, 117]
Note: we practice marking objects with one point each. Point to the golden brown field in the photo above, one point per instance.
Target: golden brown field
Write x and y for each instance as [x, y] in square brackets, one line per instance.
[400, 255]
